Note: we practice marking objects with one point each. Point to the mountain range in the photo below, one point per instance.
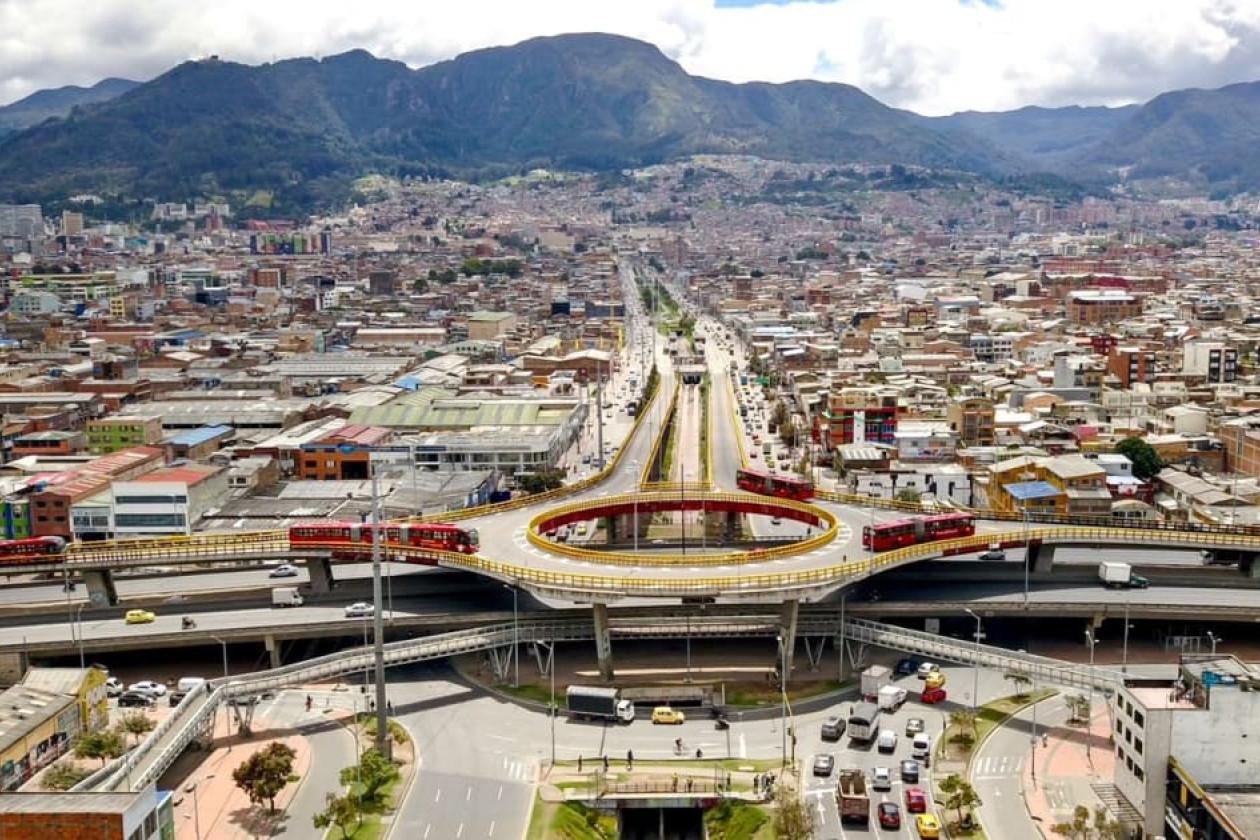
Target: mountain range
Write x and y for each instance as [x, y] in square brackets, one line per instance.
[299, 130]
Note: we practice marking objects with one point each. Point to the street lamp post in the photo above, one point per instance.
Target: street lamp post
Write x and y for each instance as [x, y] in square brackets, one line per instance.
[1213, 638]
[1124, 656]
[1091, 641]
[1024, 509]
[553, 702]
[516, 640]
[226, 717]
[975, 671]
[783, 693]
[78, 620]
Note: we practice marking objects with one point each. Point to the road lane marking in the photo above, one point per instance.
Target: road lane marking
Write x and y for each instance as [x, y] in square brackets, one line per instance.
[438, 796]
[500, 796]
[428, 827]
[468, 796]
[460, 832]
[490, 833]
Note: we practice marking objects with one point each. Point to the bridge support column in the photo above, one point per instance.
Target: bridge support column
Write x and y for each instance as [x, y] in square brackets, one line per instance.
[613, 523]
[319, 570]
[787, 633]
[603, 642]
[13, 667]
[1040, 558]
[100, 587]
[273, 650]
[731, 526]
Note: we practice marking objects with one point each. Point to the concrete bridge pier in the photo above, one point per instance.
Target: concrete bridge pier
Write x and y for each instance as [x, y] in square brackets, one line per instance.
[273, 650]
[100, 587]
[788, 615]
[319, 570]
[731, 526]
[603, 642]
[1040, 558]
[614, 526]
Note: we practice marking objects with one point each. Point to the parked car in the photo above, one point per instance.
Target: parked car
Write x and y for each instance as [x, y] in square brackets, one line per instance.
[114, 687]
[824, 764]
[359, 609]
[155, 689]
[284, 570]
[889, 815]
[139, 699]
[910, 771]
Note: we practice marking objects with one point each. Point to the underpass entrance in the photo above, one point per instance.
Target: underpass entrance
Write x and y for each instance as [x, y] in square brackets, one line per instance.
[661, 823]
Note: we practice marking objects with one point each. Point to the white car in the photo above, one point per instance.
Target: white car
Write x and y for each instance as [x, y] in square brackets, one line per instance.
[153, 689]
[114, 687]
[881, 779]
[284, 570]
[926, 669]
[360, 609]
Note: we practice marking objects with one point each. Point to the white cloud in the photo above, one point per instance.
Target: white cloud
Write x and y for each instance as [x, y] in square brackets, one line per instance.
[934, 56]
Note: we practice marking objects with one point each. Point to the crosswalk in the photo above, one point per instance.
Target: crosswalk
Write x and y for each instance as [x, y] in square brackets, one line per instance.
[997, 767]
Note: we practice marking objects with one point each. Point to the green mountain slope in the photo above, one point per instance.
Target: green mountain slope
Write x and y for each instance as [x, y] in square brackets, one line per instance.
[57, 102]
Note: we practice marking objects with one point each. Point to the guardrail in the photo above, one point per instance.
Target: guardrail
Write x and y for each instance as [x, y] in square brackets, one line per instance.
[645, 474]
[736, 424]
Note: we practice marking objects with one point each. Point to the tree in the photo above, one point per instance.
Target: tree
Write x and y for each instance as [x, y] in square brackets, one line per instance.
[64, 776]
[1082, 827]
[540, 481]
[909, 494]
[1078, 706]
[1146, 461]
[1020, 680]
[959, 794]
[792, 819]
[963, 719]
[137, 724]
[373, 772]
[265, 773]
[340, 811]
[104, 744]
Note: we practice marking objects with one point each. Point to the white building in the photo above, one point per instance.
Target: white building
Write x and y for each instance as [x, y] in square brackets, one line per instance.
[167, 501]
[1216, 361]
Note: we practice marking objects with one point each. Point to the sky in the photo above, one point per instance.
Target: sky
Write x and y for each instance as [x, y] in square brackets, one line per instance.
[931, 56]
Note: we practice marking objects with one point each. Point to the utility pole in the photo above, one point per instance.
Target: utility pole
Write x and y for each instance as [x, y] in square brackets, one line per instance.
[378, 626]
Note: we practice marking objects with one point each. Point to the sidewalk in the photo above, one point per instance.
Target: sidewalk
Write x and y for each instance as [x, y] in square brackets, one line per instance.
[1063, 772]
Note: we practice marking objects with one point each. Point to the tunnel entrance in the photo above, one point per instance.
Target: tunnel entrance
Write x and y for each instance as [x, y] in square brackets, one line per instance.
[661, 824]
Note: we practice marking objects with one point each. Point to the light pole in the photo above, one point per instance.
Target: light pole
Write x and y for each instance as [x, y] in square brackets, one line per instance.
[1213, 638]
[1091, 641]
[975, 671]
[1124, 656]
[78, 620]
[1027, 560]
[783, 692]
[226, 714]
[553, 702]
[516, 642]
[634, 470]
[197, 808]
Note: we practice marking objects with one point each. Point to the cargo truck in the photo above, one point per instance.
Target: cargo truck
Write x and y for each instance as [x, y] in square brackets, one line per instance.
[891, 697]
[286, 596]
[587, 702]
[1120, 575]
[851, 796]
[873, 679]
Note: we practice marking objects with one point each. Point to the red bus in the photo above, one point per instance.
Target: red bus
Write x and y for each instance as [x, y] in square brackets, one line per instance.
[357, 537]
[769, 484]
[31, 550]
[885, 536]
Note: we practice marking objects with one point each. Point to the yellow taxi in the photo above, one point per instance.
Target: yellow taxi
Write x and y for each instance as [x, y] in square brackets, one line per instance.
[928, 826]
[664, 714]
[934, 680]
[139, 617]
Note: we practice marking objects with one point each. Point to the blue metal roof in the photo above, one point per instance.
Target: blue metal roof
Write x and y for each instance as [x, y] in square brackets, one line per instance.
[1024, 490]
[192, 437]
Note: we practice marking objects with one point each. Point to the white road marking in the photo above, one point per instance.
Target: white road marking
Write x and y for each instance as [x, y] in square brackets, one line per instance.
[500, 796]
[460, 832]
[427, 829]
[468, 796]
[490, 833]
[438, 796]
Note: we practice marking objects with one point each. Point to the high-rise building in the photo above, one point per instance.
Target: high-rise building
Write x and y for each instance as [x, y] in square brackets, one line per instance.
[71, 223]
[24, 221]
[1131, 365]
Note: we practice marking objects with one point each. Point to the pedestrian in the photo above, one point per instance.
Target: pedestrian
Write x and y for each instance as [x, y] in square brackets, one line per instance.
[699, 754]
[629, 759]
[579, 764]
[389, 704]
[675, 783]
[605, 764]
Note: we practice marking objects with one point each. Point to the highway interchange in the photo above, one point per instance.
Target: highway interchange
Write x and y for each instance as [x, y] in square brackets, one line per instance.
[475, 747]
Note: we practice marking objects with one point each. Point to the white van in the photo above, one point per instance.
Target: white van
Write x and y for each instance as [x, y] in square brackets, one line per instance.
[187, 684]
[887, 741]
[921, 745]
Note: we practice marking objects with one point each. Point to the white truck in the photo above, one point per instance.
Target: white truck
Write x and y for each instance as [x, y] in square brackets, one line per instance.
[1120, 575]
[286, 596]
[891, 697]
[873, 679]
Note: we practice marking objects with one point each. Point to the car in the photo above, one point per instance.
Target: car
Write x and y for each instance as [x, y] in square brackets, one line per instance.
[914, 726]
[906, 667]
[667, 715]
[887, 741]
[129, 699]
[994, 555]
[140, 617]
[916, 801]
[824, 764]
[753, 455]
[155, 689]
[928, 826]
[833, 728]
[776, 520]
[114, 687]
[881, 779]
[359, 609]
[934, 680]
[889, 815]
[926, 669]
[284, 570]
[176, 698]
[910, 771]
[932, 696]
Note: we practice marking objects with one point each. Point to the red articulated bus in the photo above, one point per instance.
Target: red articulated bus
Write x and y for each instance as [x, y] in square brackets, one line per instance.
[769, 484]
[900, 532]
[353, 539]
[31, 550]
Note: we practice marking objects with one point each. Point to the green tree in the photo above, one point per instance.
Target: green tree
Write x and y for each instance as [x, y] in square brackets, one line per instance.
[793, 820]
[909, 494]
[963, 719]
[137, 724]
[64, 776]
[540, 481]
[959, 794]
[265, 773]
[373, 772]
[104, 744]
[1078, 707]
[1146, 461]
[340, 811]
[1020, 680]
